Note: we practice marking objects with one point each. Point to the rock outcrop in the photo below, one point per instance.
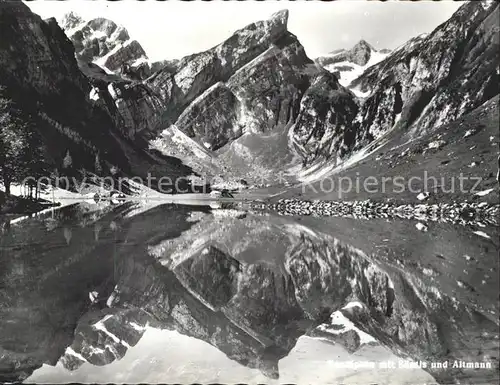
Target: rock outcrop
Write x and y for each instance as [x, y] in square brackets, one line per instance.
[323, 126]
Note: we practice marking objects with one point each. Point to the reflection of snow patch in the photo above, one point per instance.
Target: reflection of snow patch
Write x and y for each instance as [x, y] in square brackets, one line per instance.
[100, 326]
[299, 230]
[482, 234]
[71, 352]
[137, 327]
[421, 226]
[436, 144]
[484, 192]
[353, 304]
[94, 94]
[338, 319]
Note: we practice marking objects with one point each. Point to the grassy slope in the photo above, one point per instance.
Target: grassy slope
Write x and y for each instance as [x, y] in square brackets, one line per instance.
[414, 158]
[259, 158]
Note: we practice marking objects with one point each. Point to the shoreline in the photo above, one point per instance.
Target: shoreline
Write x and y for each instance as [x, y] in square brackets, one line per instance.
[464, 212]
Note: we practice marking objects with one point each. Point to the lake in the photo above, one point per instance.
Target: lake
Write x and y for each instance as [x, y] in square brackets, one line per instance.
[155, 293]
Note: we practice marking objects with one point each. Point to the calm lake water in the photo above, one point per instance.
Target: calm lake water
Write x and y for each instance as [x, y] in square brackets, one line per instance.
[180, 293]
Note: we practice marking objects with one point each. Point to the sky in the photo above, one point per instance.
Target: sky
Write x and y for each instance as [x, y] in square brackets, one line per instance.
[173, 29]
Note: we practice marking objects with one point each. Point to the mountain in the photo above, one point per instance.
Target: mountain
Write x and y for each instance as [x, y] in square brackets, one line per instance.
[434, 79]
[430, 81]
[101, 41]
[350, 64]
[221, 95]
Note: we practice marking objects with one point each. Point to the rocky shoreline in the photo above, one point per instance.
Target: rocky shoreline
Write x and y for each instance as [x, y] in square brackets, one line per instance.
[464, 213]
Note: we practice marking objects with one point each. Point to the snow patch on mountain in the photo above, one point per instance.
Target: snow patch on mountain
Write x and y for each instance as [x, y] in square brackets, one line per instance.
[349, 71]
[340, 324]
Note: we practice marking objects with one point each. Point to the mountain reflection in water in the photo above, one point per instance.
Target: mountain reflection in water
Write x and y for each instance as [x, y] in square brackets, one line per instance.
[194, 294]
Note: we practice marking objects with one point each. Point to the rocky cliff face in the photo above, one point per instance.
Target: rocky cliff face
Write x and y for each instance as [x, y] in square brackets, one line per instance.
[217, 95]
[40, 74]
[430, 81]
[433, 79]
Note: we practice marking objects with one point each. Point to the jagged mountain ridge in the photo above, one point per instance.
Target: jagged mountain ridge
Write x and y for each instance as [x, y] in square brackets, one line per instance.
[208, 76]
[217, 96]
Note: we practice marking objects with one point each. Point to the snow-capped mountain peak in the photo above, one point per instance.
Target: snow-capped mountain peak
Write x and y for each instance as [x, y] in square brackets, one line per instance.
[350, 64]
[103, 42]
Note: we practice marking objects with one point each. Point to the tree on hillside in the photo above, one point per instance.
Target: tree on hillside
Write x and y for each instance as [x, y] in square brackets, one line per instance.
[13, 144]
[21, 149]
[97, 164]
[34, 159]
[67, 161]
